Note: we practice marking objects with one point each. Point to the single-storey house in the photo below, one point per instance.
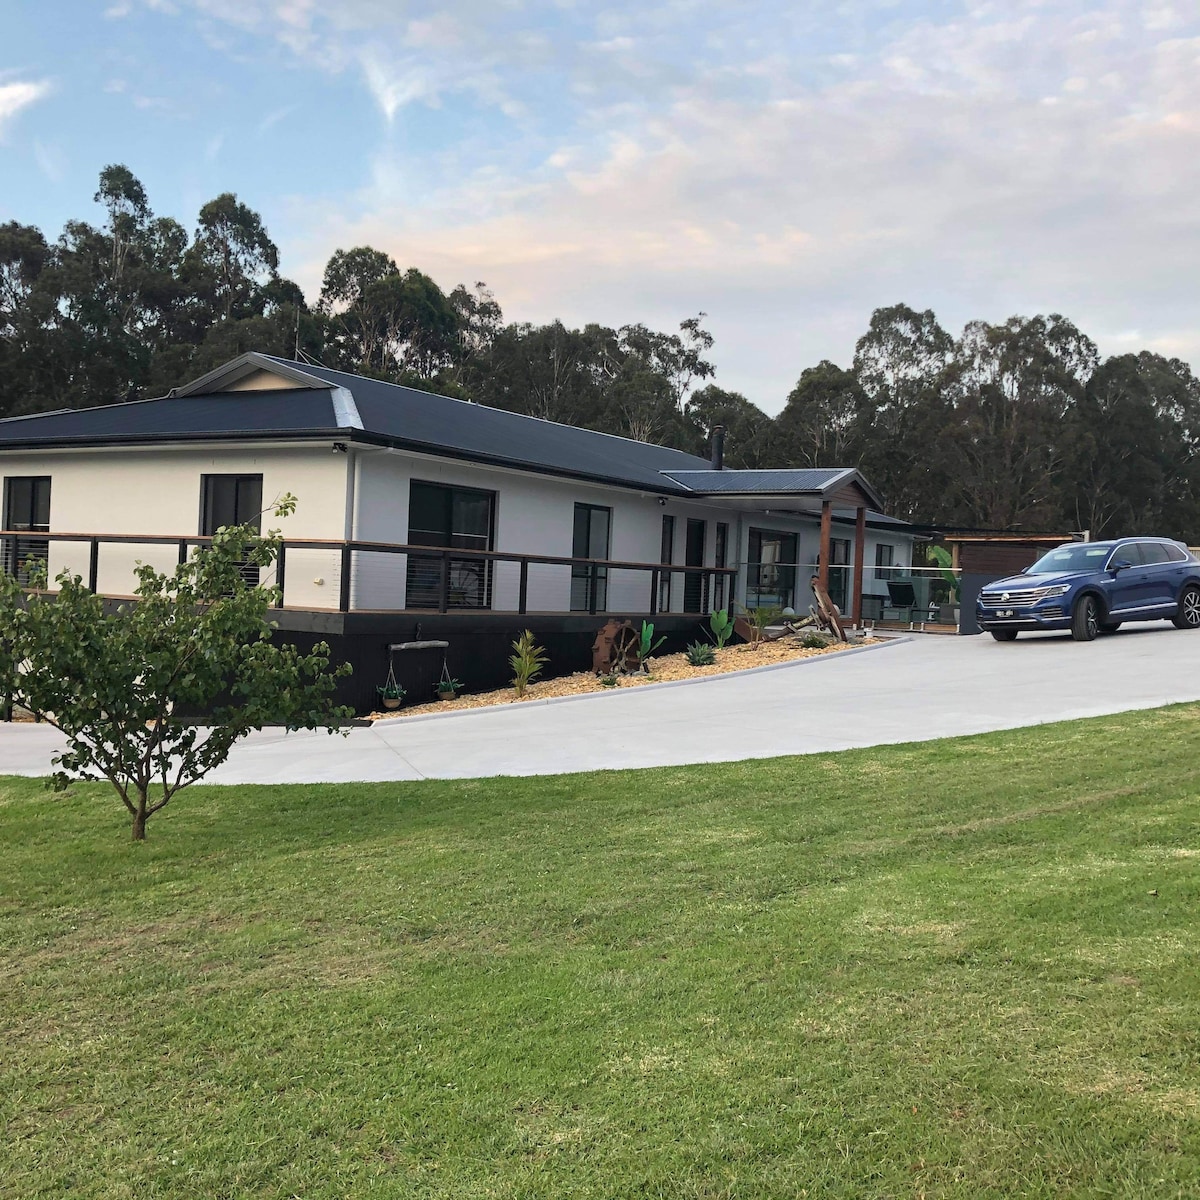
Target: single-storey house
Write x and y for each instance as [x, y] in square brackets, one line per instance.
[418, 510]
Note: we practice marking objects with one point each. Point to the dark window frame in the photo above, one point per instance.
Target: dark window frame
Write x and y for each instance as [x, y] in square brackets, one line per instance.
[720, 559]
[695, 584]
[208, 484]
[19, 552]
[666, 556]
[781, 577]
[467, 574]
[583, 599]
[30, 526]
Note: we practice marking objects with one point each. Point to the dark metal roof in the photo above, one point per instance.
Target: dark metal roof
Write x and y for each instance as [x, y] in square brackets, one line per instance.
[822, 482]
[288, 412]
[441, 425]
[341, 406]
[811, 480]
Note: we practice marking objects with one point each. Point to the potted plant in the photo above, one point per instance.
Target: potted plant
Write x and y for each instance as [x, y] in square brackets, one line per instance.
[448, 687]
[391, 694]
[948, 610]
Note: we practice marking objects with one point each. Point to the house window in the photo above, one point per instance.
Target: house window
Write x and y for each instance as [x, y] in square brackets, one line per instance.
[26, 510]
[666, 556]
[230, 500]
[839, 571]
[771, 569]
[885, 557]
[449, 518]
[720, 559]
[589, 583]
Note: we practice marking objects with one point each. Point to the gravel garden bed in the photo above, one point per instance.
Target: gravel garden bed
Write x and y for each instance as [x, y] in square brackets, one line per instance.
[661, 669]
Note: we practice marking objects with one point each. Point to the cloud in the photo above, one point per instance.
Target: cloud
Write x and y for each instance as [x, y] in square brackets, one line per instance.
[17, 96]
[273, 118]
[784, 168]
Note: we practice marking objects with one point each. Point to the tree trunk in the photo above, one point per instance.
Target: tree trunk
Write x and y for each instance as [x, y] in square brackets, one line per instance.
[139, 820]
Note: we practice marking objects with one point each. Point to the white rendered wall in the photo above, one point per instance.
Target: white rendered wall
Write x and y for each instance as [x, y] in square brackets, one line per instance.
[156, 491]
[535, 515]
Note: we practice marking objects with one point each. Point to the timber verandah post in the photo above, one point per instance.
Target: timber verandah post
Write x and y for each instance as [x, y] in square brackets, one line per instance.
[826, 545]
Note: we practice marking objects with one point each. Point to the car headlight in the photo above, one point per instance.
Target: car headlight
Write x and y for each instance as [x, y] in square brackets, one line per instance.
[1060, 589]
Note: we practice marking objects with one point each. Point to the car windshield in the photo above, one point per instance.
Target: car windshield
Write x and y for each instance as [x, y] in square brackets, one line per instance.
[1079, 556]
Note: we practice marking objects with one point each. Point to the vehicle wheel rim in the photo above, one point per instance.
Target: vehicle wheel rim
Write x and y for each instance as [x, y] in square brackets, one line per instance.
[1191, 608]
[1093, 625]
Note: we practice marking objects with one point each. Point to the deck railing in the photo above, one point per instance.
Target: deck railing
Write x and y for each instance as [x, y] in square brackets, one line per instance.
[890, 592]
[363, 575]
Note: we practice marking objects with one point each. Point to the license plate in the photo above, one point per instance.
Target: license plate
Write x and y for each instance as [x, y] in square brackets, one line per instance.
[1006, 612]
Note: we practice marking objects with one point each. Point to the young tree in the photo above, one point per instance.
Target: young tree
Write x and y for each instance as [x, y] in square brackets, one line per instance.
[126, 687]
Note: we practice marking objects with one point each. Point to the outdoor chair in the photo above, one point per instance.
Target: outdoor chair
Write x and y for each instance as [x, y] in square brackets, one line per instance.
[902, 599]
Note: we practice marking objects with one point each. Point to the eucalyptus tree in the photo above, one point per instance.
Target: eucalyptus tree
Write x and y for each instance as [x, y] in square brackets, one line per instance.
[901, 365]
[820, 425]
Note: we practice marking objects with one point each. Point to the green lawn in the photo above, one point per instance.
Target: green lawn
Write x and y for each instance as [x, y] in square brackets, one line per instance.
[964, 968]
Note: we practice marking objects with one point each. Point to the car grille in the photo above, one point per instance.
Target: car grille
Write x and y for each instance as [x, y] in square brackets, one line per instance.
[1014, 598]
[1050, 611]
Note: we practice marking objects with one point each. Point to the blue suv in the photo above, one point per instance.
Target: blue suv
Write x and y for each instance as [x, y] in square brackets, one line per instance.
[1093, 587]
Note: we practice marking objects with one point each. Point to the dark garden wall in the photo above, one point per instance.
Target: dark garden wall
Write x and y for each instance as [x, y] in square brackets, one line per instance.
[479, 647]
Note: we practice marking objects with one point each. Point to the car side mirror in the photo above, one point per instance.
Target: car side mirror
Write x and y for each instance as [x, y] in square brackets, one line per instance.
[1120, 564]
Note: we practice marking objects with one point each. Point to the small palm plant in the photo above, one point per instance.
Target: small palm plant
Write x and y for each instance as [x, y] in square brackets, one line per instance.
[527, 661]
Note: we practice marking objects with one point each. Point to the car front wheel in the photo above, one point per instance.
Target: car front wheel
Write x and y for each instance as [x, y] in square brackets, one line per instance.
[1004, 635]
[1085, 619]
[1188, 616]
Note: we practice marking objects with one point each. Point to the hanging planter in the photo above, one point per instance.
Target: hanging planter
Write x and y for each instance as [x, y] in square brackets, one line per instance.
[447, 687]
[391, 694]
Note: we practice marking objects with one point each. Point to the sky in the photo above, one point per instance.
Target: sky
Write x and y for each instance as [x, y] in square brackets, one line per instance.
[783, 167]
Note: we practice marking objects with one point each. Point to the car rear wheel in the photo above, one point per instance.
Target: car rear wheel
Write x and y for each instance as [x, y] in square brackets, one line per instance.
[1188, 616]
[1004, 635]
[1109, 626]
[1085, 619]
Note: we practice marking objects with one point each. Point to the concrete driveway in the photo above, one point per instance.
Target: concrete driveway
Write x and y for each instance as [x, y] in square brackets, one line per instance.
[914, 690]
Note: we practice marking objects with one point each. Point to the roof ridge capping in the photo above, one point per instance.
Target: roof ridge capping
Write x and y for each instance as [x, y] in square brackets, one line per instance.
[247, 364]
[345, 411]
[810, 481]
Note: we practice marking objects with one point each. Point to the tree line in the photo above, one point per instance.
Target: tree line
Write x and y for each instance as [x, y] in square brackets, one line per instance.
[1015, 425]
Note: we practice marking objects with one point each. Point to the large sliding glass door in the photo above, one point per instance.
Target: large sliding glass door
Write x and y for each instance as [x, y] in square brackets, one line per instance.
[695, 585]
[771, 571]
[592, 534]
[449, 518]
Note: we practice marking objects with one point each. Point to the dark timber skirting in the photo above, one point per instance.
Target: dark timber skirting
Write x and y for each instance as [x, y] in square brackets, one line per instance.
[480, 645]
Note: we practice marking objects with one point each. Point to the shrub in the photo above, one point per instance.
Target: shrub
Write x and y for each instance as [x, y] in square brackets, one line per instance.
[721, 624]
[646, 644]
[700, 654]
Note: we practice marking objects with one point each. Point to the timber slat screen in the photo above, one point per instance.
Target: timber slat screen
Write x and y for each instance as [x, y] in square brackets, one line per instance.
[449, 560]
